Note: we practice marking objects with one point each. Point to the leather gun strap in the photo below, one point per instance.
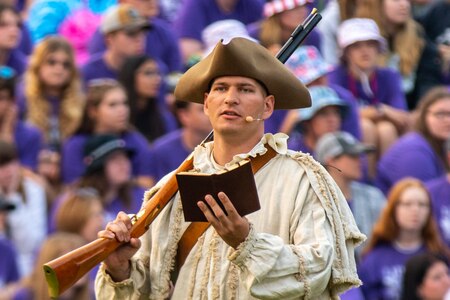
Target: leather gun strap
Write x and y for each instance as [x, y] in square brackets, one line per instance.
[196, 229]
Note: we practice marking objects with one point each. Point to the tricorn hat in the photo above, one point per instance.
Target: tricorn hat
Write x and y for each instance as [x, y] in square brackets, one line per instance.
[242, 57]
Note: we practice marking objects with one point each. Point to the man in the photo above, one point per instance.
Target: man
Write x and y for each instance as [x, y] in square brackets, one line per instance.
[300, 244]
[160, 40]
[124, 30]
[169, 151]
[439, 189]
[340, 153]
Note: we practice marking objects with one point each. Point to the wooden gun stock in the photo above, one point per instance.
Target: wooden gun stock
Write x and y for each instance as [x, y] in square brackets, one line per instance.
[64, 271]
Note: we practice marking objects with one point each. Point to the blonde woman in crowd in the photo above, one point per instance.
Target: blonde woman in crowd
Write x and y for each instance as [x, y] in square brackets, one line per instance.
[52, 89]
[34, 287]
[405, 228]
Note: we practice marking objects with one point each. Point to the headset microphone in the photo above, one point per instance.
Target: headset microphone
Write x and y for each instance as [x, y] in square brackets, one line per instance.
[250, 119]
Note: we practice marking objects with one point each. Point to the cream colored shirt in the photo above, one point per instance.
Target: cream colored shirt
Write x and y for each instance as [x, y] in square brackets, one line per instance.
[301, 243]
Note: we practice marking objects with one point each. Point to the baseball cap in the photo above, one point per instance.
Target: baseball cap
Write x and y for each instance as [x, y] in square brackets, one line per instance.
[321, 96]
[122, 17]
[307, 64]
[223, 30]
[99, 147]
[358, 30]
[277, 6]
[337, 143]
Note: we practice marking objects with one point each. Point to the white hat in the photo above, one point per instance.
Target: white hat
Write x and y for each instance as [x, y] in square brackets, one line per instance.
[277, 6]
[223, 30]
[358, 30]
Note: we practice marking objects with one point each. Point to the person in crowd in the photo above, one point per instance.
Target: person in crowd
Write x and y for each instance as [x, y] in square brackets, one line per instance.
[124, 30]
[142, 79]
[81, 212]
[10, 54]
[405, 228]
[420, 153]
[294, 246]
[311, 69]
[195, 15]
[434, 66]
[323, 116]
[426, 277]
[27, 223]
[170, 150]
[27, 138]
[35, 287]
[439, 190]
[404, 37]
[340, 153]
[108, 171]
[383, 109]
[161, 42]
[336, 12]
[106, 112]
[52, 94]
[9, 273]
[281, 17]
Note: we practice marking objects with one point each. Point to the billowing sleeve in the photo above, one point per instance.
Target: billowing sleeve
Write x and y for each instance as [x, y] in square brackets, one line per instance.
[272, 269]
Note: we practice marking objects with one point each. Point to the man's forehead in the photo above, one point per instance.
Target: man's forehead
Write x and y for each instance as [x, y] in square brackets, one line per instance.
[235, 80]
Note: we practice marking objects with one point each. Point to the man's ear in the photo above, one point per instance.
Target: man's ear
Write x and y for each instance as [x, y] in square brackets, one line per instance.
[269, 104]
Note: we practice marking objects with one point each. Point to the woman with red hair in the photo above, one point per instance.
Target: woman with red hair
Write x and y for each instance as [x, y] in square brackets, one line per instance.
[405, 228]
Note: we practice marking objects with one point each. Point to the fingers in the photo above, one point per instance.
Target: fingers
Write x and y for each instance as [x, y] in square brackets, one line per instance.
[216, 211]
[119, 228]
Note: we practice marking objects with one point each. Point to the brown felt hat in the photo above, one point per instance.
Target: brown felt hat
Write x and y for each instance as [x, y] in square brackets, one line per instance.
[242, 57]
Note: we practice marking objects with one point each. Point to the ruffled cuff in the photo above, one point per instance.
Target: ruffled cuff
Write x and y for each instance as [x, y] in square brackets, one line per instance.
[243, 251]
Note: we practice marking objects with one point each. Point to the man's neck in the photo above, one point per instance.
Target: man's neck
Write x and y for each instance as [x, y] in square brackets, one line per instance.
[113, 60]
[226, 6]
[342, 182]
[226, 148]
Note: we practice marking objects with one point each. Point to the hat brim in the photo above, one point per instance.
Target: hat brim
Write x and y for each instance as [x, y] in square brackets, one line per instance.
[242, 57]
[4, 206]
[100, 162]
[359, 149]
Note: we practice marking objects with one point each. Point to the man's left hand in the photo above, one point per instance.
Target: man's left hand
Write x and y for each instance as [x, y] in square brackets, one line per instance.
[231, 227]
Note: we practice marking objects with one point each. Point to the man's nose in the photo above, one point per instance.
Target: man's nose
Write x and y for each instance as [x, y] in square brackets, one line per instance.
[231, 96]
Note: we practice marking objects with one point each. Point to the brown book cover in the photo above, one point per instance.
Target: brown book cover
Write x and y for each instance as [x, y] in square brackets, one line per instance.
[238, 183]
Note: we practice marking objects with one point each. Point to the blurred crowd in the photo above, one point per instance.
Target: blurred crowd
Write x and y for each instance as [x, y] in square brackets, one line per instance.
[88, 122]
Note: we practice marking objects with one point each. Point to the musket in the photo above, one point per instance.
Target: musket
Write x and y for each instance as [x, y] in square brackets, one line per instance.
[63, 272]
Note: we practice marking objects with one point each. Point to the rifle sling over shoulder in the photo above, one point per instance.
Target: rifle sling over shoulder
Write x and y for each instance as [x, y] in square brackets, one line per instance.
[196, 229]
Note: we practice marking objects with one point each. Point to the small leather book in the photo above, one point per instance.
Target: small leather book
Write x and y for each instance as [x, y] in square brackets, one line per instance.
[238, 183]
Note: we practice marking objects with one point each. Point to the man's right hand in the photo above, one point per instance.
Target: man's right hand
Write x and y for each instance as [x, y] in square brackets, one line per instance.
[118, 263]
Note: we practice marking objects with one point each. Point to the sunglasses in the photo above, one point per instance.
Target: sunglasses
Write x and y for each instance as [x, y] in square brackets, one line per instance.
[53, 62]
[7, 72]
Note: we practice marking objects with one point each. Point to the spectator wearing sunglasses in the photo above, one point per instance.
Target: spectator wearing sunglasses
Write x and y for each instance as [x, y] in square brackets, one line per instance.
[10, 27]
[124, 31]
[27, 138]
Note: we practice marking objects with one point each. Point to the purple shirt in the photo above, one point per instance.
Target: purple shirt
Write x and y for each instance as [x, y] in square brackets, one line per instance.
[73, 149]
[9, 271]
[381, 271]
[167, 152]
[161, 44]
[440, 196]
[410, 156]
[195, 15]
[117, 205]
[17, 61]
[96, 68]
[29, 142]
[385, 84]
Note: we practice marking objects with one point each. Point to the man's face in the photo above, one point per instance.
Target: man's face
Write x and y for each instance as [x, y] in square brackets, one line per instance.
[233, 98]
[9, 30]
[127, 43]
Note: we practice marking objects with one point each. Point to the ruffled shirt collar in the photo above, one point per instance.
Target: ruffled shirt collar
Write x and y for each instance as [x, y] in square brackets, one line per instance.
[204, 159]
